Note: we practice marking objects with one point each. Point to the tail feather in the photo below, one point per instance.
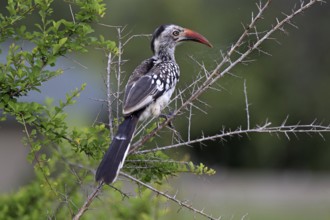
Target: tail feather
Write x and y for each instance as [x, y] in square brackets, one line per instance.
[114, 158]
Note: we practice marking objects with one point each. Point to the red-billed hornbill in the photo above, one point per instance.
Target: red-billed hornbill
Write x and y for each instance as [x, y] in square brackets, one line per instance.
[147, 93]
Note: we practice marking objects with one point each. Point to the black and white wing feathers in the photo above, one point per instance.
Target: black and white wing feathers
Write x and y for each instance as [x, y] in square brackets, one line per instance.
[142, 88]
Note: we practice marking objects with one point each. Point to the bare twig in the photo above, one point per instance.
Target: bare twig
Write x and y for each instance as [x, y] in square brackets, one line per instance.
[247, 106]
[134, 36]
[72, 14]
[172, 198]
[284, 129]
[110, 117]
[189, 121]
[88, 201]
[119, 82]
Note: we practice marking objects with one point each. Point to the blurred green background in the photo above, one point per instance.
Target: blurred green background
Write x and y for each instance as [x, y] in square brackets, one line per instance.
[264, 176]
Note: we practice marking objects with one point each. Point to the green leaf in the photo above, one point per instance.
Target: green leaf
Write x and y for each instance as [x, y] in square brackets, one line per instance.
[63, 41]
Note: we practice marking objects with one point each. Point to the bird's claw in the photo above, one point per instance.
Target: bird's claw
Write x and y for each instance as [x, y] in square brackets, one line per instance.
[166, 117]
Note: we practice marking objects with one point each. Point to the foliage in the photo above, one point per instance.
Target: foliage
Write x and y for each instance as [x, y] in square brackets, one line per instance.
[24, 204]
[156, 166]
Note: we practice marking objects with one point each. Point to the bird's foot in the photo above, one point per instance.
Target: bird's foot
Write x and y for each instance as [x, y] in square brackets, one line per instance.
[166, 117]
[170, 124]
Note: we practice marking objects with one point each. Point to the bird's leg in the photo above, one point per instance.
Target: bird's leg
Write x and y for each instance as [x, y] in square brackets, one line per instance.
[170, 124]
[124, 195]
[167, 116]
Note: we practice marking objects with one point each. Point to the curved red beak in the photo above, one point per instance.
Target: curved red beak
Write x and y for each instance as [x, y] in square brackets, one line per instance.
[190, 35]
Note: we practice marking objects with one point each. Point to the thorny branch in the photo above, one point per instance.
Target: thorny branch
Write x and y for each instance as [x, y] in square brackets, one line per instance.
[312, 128]
[89, 200]
[108, 85]
[172, 198]
[246, 106]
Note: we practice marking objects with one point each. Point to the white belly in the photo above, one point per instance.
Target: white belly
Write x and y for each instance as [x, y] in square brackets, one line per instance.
[155, 108]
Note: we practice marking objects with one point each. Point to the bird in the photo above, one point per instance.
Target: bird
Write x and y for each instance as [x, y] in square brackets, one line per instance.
[147, 93]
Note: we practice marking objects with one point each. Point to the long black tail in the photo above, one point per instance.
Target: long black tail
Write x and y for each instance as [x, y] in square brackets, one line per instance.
[114, 158]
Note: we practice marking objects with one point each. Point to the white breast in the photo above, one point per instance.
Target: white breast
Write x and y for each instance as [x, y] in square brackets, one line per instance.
[155, 108]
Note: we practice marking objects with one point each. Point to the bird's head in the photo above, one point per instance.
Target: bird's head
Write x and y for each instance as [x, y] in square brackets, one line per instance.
[166, 37]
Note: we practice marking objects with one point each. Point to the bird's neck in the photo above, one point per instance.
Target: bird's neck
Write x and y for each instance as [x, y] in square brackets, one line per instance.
[165, 54]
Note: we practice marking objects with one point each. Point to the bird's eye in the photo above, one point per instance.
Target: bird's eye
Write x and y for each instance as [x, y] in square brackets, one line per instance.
[176, 33]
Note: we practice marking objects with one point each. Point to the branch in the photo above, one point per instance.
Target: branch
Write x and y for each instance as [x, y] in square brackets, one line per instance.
[172, 198]
[35, 156]
[108, 84]
[118, 75]
[88, 202]
[284, 129]
[136, 35]
[247, 106]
